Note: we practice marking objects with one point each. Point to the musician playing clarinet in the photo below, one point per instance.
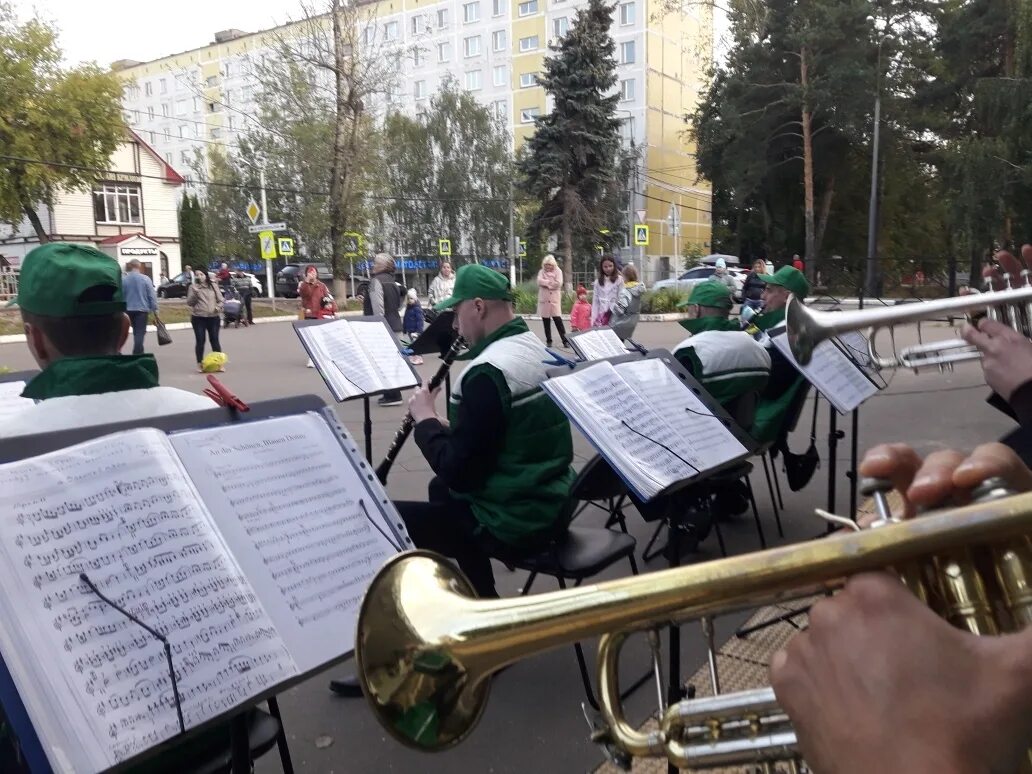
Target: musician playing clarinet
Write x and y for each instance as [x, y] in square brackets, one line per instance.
[502, 457]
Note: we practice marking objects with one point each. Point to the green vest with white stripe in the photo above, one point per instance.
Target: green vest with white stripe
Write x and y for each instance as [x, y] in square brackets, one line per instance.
[727, 363]
[528, 492]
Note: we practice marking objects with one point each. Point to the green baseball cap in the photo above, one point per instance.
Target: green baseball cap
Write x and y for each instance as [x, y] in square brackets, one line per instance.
[60, 279]
[477, 281]
[791, 278]
[714, 294]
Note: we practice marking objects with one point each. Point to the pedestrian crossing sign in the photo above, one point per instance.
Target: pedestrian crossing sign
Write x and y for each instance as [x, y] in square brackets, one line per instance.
[523, 248]
[641, 234]
[267, 241]
[352, 244]
[444, 247]
[286, 246]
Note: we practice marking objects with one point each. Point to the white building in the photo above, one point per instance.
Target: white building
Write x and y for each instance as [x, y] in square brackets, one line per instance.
[132, 212]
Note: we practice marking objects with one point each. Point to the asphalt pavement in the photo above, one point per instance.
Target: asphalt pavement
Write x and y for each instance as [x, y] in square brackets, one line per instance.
[533, 721]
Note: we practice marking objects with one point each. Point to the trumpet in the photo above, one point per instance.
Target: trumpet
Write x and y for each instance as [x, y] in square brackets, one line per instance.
[426, 647]
[806, 328]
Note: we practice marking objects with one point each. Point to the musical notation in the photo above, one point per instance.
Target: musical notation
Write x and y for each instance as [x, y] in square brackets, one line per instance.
[123, 509]
[292, 510]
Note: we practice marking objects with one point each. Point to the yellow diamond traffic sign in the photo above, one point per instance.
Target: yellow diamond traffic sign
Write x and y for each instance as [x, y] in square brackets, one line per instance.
[252, 211]
[267, 240]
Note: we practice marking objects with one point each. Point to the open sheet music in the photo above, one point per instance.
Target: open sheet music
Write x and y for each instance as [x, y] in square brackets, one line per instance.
[835, 375]
[248, 546]
[356, 357]
[11, 401]
[597, 344]
[646, 422]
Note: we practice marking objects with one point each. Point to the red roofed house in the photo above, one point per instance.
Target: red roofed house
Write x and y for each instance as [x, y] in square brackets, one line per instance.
[130, 213]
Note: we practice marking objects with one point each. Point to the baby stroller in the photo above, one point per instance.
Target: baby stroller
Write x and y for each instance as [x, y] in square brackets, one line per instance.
[232, 308]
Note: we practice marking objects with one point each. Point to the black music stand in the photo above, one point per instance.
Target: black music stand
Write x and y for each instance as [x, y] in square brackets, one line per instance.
[12, 449]
[367, 420]
[437, 340]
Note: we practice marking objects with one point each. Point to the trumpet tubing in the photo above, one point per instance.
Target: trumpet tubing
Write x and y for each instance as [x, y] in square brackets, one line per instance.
[806, 328]
[426, 648]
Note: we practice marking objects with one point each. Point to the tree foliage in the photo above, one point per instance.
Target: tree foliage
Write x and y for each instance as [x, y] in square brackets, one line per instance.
[572, 164]
[193, 243]
[69, 117]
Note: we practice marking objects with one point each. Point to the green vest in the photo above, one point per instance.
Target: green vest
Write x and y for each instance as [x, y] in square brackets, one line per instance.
[528, 493]
[728, 364]
[93, 376]
[702, 324]
[770, 413]
[769, 320]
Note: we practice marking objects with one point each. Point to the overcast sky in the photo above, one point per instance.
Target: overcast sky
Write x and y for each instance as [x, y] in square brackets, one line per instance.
[156, 29]
[106, 32]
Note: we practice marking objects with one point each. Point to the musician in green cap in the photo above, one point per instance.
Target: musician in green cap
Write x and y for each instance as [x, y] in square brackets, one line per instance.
[73, 312]
[502, 458]
[709, 309]
[785, 282]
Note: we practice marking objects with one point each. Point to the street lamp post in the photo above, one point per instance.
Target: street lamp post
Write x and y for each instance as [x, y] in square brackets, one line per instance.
[871, 270]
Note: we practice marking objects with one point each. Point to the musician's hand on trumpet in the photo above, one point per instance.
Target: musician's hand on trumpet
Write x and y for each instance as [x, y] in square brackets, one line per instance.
[879, 682]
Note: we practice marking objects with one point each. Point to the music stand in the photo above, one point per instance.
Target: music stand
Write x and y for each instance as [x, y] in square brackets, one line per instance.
[437, 340]
[12, 449]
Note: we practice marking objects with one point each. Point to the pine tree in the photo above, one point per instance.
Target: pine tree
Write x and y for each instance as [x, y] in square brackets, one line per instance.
[193, 244]
[572, 162]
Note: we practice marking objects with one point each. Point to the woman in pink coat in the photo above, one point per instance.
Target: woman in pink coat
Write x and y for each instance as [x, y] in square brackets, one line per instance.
[550, 299]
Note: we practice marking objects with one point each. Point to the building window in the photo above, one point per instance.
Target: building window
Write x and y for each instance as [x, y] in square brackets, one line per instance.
[182, 131]
[417, 24]
[471, 46]
[196, 104]
[216, 134]
[560, 26]
[150, 112]
[148, 89]
[500, 76]
[180, 107]
[151, 137]
[442, 18]
[626, 14]
[498, 40]
[527, 80]
[419, 89]
[417, 56]
[499, 109]
[225, 69]
[168, 159]
[529, 7]
[527, 115]
[529, 44]
[473, 80]
[443, 52]
[390, 32]
[627, 52]
[184, 157]
[471, 12]
[369, 34]
[497, 7]
[163, 86]
[627, 91]
[232, 122]
[117, 203]
[164, 109]
[627, 130]
[212, 81]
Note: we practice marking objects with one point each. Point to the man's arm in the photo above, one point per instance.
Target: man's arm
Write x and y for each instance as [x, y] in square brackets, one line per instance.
[465, 454]
[152, 296]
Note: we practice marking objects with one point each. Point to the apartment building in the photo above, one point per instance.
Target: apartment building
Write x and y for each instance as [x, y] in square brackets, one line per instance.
[495, 50]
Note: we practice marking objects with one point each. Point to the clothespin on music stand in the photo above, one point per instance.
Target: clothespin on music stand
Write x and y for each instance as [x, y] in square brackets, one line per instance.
[559, 360]
[219, 393]
[635, 345]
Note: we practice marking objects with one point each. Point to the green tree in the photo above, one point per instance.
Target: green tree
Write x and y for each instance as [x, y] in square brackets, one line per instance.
[225, 203]
[573, 162]
[69, 117]
[192, 239]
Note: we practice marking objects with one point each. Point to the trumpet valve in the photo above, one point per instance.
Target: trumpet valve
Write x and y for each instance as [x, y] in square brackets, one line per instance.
[877, 489]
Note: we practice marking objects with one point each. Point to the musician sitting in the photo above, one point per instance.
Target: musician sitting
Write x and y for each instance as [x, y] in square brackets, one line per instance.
[780, 286]
[502, 458]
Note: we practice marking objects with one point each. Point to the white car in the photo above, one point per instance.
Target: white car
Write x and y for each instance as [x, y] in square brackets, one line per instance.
[697, 274]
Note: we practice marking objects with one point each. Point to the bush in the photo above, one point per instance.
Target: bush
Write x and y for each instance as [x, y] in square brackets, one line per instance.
[663, 301]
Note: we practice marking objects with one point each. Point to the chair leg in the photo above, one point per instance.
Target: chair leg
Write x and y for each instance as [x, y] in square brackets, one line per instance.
[755, 513]
[645, 555]
[281, 737]
[527, 585]
[720, 538]
[777, 483]
[770, 489]
[589, 692]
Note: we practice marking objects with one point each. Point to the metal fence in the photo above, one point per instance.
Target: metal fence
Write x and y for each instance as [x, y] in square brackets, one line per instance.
[8, 285]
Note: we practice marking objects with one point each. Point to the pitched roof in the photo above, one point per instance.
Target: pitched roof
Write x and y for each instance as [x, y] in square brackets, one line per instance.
[115, 240]
[171, 176]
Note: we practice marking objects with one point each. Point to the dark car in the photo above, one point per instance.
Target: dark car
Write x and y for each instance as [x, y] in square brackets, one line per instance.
[177, 286]
[290, 275]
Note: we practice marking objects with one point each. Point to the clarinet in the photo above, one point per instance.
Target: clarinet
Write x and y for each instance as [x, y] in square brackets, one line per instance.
[408, 423]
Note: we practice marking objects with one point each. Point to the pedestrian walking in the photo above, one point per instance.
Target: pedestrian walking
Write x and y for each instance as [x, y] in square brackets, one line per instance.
[205, 301]
[550, 297]
[140, 302]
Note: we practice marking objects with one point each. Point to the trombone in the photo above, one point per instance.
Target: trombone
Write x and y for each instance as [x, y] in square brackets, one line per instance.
[807, 328]
[426, 647]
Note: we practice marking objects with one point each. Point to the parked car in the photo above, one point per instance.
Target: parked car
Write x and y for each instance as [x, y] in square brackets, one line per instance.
[289, 276]
[178, 285]
[702, 273]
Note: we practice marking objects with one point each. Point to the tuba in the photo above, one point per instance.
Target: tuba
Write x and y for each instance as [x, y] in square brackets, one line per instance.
[426, 647]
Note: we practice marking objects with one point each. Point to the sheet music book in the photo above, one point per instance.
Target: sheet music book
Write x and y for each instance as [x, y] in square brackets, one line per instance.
[248, 546]
[597, 344]
[356, 357]
[11, 401]
[835, 375]
[647, 422]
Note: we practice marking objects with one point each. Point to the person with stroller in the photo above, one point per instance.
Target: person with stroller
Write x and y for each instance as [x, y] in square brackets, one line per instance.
[242, 285]
[412, 322]
[232, 307]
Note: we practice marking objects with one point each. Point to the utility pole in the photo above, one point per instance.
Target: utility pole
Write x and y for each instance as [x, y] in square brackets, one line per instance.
[514, 248]
[871, 274]
[270, 290]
